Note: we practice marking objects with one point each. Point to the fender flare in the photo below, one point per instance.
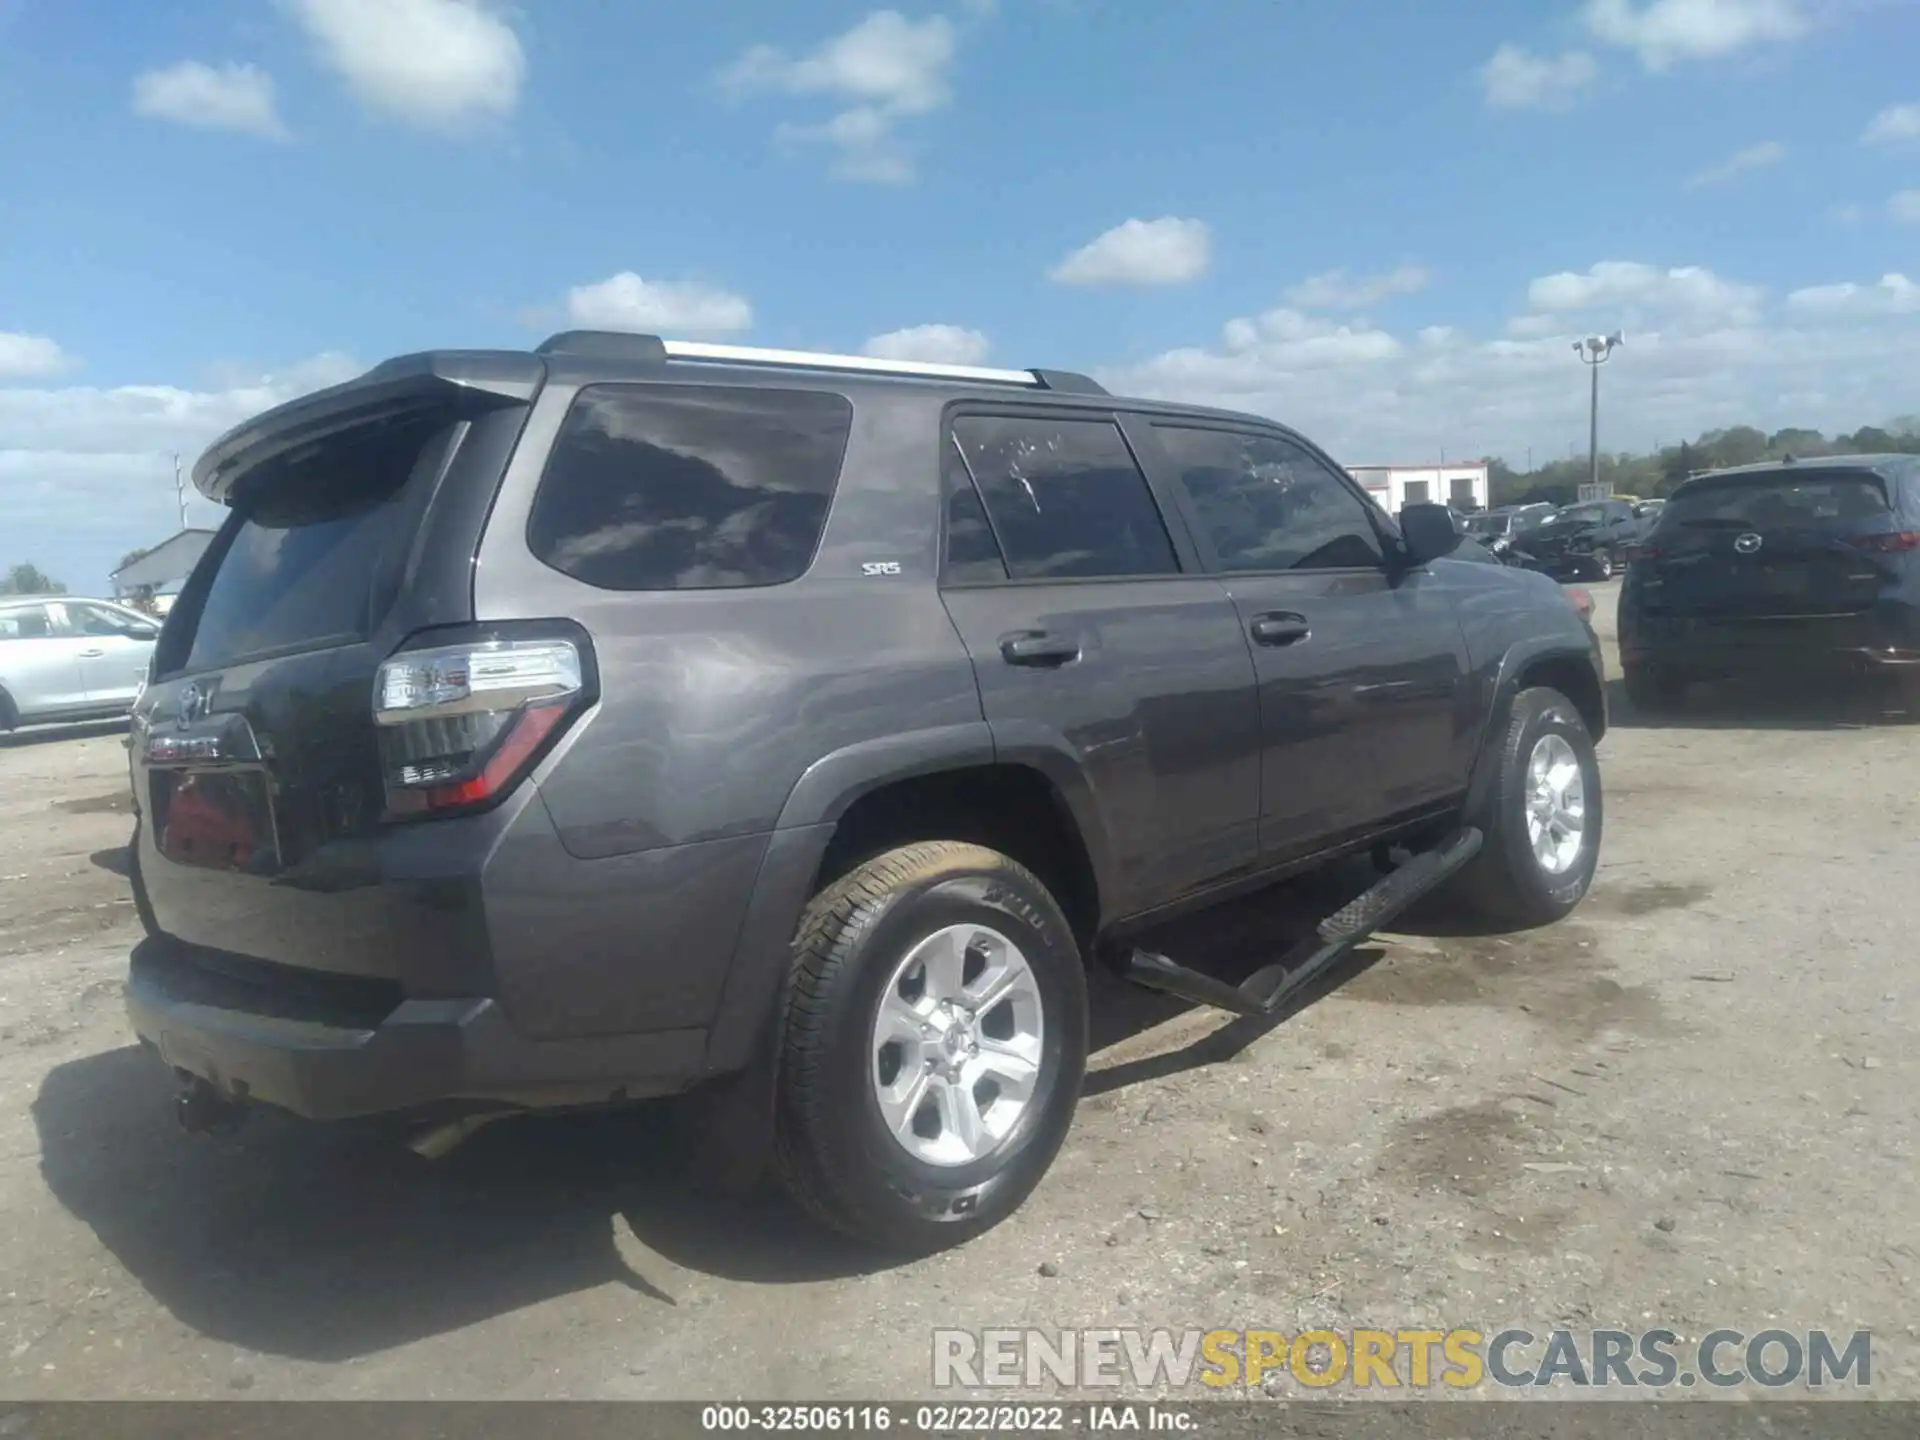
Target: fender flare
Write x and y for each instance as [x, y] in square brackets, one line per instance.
[1502, 689]
[740, 1037]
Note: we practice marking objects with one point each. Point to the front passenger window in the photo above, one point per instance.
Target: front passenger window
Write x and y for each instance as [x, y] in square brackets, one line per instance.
[1266, 504]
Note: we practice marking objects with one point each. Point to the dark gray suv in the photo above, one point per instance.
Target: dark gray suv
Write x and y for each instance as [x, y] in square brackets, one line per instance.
[631, 717]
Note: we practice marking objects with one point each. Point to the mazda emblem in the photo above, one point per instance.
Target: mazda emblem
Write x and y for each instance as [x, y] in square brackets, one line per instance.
[1747, 544]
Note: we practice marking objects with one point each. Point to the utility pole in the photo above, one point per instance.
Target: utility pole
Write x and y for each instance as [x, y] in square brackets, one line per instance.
[180, 490]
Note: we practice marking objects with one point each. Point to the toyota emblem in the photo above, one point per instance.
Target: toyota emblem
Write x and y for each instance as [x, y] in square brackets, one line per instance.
[1747, 544]
[193, 704]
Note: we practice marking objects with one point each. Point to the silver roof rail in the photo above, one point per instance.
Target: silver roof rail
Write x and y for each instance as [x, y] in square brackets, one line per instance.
[816, 360]
[611, 345]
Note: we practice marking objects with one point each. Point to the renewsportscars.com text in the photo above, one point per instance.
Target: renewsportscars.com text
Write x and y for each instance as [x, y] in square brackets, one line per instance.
[1460, 1359]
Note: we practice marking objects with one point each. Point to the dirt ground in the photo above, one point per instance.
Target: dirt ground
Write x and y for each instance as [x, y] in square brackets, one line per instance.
[1690, 1105]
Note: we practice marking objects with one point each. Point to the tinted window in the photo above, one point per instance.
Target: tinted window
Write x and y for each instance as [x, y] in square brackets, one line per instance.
[27, 622]
[1778, 501]
[1065, 497]
[972, 552]
[311, 533]
[689, 487]
[1266, 504]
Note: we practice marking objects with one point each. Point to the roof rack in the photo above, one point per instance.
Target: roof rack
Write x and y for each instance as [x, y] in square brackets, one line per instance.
[617, 345]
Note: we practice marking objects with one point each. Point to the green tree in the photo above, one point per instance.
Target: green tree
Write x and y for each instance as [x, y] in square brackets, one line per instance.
[128, 559]
[30, 580]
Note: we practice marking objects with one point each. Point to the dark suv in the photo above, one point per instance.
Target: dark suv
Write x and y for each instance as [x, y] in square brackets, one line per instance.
[1785, 570]
[631, 717]
[1588, 540]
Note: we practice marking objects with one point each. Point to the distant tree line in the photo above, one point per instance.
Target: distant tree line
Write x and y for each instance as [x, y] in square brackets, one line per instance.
[1558, 481]
[29, 580]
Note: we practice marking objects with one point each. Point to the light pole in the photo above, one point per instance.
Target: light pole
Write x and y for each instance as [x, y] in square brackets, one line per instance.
[1595, 351]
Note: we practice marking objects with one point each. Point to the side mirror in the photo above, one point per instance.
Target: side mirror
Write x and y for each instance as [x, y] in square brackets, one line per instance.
[144, 632]
[1429, 532]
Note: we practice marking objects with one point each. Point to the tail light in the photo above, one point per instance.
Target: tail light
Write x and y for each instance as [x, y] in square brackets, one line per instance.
[1635, 554]
[1887, 544]
[461, 725]
[1581, 600]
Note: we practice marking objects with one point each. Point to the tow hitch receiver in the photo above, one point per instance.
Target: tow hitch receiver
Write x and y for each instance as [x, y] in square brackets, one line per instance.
[1266, 990]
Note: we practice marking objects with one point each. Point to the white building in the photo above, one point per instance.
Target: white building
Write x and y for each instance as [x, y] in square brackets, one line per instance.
[159, 574]
[1464, 487]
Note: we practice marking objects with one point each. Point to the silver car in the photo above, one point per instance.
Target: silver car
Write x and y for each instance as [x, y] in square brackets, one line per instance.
[63, 658]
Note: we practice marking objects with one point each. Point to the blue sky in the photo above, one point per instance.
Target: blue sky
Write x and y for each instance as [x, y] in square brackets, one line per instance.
[1381, 221]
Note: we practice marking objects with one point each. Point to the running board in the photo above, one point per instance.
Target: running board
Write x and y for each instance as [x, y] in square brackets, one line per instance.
[1337, 936]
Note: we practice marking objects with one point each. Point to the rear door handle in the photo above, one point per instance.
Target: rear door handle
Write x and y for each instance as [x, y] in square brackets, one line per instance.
[1037, 647]
[91, 654]
[1282, 627]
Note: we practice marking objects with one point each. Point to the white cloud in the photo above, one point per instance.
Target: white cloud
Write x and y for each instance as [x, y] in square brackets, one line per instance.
[230, 97]
[884, 70]
[1895, 294]
[1631, 291]
[1895, 125]
[1741, 162]
[1905, 207]
[1337, 290]
[685, 307]
[31, 357]
[1517, 79]
[86, 472]
[437, 64]
[1664, 32]
[1709, 352]
[941, 344]
[1167, 251]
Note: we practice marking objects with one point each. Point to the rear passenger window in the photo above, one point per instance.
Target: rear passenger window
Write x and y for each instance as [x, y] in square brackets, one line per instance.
[689, 487]
[1266, 504]
[972, 552]
[1065, 497]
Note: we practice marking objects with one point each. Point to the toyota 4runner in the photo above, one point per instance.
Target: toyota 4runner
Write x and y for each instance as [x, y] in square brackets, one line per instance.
[632, 717]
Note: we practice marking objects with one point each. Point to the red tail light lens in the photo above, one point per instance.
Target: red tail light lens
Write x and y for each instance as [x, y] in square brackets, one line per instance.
[1637, 553]
[1887, 544]
[461, 725]
[1581, 600]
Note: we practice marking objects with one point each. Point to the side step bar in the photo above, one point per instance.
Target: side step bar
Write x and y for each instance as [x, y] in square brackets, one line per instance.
[1266, 990]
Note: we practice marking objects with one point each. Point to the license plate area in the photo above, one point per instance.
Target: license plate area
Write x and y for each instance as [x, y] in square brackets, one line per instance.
[216, 820]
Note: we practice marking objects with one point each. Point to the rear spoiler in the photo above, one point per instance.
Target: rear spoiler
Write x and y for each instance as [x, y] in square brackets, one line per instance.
[480, 378]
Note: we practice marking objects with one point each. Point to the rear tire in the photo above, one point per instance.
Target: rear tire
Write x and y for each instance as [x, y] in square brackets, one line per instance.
[9, 714]
[1654, 691]
[1547, 753]
[880, 1180]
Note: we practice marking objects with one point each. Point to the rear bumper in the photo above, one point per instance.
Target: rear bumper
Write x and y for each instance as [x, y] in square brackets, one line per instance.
[421, 1054]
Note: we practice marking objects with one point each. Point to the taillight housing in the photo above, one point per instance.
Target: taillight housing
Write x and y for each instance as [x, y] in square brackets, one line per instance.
[1581, 600]
[462, 723]
[1891, 544]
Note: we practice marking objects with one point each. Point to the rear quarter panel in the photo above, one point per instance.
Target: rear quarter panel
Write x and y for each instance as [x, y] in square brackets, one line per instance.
[713, 706]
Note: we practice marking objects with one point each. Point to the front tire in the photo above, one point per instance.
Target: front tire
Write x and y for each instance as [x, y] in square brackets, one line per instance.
[1543, 821]
[1602, 564]
[935, 1044]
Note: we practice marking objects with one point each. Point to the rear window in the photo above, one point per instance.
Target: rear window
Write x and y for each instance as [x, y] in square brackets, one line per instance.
[1759, 502]
[689, 487]
[312, 531]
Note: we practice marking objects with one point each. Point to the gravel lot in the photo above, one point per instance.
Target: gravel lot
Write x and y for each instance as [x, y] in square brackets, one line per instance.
[1691, 1105]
